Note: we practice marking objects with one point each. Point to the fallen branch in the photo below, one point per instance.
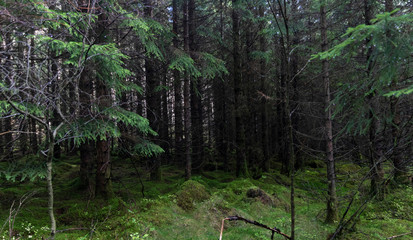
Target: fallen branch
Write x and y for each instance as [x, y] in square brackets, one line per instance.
[237, 218]
[400, 235]
[71, 229]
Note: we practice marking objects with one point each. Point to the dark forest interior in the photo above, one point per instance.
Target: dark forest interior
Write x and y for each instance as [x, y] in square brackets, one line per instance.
[189, 119]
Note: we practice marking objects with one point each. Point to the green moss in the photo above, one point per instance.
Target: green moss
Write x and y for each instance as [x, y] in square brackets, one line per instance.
[175, 209]
[190, 193]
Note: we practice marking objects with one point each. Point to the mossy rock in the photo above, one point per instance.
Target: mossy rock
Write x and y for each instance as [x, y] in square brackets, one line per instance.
[260, 195]
[191, 192]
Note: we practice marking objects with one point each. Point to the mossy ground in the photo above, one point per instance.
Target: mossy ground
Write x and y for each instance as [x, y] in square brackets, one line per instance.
[175, 209]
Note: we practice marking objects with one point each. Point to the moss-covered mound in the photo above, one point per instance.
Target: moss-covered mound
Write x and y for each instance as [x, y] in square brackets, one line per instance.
[190, 193]
[259, 194]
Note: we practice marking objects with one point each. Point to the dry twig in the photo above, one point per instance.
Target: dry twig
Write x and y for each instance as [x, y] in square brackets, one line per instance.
[400, 235]
[238, 218]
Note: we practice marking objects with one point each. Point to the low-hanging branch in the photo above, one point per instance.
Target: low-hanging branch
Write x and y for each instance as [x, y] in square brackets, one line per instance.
[238, 218]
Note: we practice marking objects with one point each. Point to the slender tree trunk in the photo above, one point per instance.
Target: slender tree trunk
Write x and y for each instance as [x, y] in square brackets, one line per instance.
[23, 136]
[32, 122]
[248, 112]
[8, 138]
[197, 136]
[332, 212]
[54, 75]
[187, 110]
[294, 79]
[376, 140]
[153, 98]
[164, 134]
[219, 96]
[86, 148]
[241, 165]
[177, 91]
[400, 172]
[284, 113]
[49, 179]
[286, 81]
[33, 136]
[264, 126]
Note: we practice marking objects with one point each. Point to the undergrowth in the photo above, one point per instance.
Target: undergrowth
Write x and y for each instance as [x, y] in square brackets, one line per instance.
[175, 209]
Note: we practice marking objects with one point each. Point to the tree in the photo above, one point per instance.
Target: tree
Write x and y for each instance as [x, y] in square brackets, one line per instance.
[386, 37]
[178, 126]
[241, 164]
[332, 210]
[99, 117]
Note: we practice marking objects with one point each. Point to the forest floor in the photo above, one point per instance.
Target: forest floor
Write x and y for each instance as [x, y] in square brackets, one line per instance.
[175, 209]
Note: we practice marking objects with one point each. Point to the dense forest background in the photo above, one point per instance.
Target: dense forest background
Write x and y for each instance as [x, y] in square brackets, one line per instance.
[247, 89]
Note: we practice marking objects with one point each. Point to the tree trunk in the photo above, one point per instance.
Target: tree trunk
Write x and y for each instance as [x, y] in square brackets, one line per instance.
[197, 136]
[264, 129]
[164, 131]
[400, 171]
[103, 169]
[49, 179]
[55, 88]
[86, 148]
[178, 157]
[187, 110]
[241, 165]
[153, 98]
[33, 136]
[103, 163]
[332, 212]
[219, 95]
[285, 113]
[8, 138]
[103, 185]
[376, 140]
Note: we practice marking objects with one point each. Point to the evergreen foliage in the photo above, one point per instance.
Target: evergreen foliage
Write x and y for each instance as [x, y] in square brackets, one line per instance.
[390, 40]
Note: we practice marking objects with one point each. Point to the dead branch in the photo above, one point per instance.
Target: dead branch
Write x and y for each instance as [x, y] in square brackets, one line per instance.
[238, 218]
[400, 235]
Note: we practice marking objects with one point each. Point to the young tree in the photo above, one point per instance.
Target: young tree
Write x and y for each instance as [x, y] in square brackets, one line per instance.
[387, 36]
[83, 57]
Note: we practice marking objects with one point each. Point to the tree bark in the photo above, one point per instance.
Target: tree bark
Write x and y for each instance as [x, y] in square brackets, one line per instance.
[103, 163]
[241, 165]
[178, 157]
[164, 132]
[264, 125]
[8, 138]
[376, 140]
[187, 110]
[103, 185]
[332, 212]
[400, 171]
[219, 96]
[49, 179]
[153, 98]
[86, 148]
[197, 136]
